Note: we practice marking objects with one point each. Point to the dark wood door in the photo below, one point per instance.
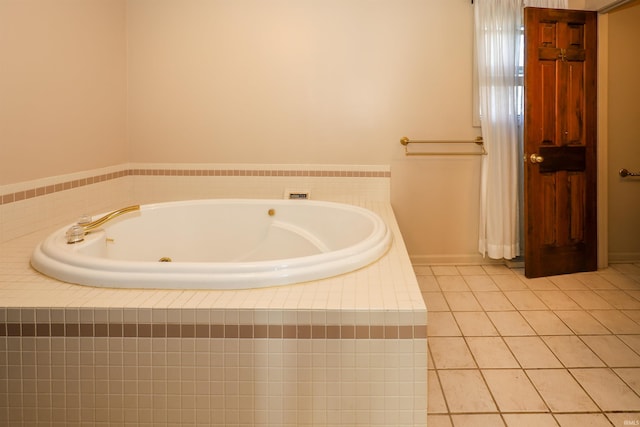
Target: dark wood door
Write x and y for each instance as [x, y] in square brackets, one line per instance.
[560, 141]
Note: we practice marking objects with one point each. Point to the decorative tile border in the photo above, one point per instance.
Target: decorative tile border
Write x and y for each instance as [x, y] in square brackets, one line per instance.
[68, 185]
[196, 330]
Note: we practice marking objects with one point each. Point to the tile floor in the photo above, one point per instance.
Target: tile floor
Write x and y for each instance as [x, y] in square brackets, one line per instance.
[510, 351]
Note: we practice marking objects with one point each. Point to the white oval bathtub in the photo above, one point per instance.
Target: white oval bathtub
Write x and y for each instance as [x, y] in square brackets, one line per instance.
[218, 244]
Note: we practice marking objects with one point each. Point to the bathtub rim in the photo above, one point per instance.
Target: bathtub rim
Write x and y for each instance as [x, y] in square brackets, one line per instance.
[65, 267]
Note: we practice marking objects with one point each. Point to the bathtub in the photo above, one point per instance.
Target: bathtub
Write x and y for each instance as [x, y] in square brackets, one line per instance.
[218, 244]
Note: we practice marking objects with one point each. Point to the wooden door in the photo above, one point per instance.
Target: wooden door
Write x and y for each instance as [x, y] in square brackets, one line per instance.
[560, 141]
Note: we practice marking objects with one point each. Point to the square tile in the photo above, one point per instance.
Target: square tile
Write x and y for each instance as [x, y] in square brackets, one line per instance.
[546, 323]
[510, 323]
[491, 352]
[481, 283]
[442, 324]
[616, 321]
[512, 391]
[619, 299]
[475, 420]
[509, 282]
[583, 420]
[607, 389]
[462, 301]
[531, 352]
[459, 385]
[631, 376]
[452, 283]
[561, 391]
[572, 352]
[474, 324]
[435, 301]
[581, 322]
[435, 398]
[557, 300]
[589, 300]
[494, 301]
[612, 350]
[525, 300]
[450, 352]
[530, 420]
[438, 420]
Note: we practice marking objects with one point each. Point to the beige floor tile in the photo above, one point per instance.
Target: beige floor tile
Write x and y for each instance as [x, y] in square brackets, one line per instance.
[459, 385]
[594, 281]
[561, 391]
[539, 284]
[497, 269]
[525, 300]
[568, 282]
[512, 391]
[471, 270]
[510, 323]
[546, 323]
[530, 420]
[475, 324]
[616, 321]
[435, 301]
[422, 270]
[631, 376]
[509, 282]
[445, 270]
[481, 283]
[582, 420]
[632, 341]
[619, 280]
[442, 324]
[612, 350]
[624, 419]
[494, 301]
[589, 300]
[632, 314]
[439, 421]
[491, 352]
[572, 352]
[532, 353]
[557, 300]
[452, 284]
[462, 301]
[428, 284]
[581, 322]
[450, 353]
[607, 389]
[619, 299]
[435, 398]
[475, 420]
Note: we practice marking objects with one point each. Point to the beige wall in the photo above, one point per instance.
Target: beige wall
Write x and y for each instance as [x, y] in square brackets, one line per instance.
[329, 82]
[300, 81]
[624, 132]
[62, 87]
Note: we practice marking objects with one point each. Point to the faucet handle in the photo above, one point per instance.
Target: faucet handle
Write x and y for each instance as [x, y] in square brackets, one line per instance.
[84, 219]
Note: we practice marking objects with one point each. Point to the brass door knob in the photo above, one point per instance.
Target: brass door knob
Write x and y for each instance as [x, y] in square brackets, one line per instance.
[535, 158]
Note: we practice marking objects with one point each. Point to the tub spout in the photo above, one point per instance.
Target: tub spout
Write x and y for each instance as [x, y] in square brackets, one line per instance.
[77, 232]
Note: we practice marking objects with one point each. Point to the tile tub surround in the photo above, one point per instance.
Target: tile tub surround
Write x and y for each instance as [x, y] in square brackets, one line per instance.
[348, 350]
[30, 206]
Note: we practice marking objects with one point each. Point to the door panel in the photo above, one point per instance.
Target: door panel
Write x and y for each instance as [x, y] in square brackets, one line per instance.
[560, 141]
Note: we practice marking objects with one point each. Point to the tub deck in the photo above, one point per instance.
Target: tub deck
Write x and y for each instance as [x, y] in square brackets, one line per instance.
[349, 350]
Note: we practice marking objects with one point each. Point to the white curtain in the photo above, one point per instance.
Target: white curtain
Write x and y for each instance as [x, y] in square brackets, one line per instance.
[498, 37]
[497, 34]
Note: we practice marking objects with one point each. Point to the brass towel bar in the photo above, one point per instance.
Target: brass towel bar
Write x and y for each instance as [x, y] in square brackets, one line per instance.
[478, 141]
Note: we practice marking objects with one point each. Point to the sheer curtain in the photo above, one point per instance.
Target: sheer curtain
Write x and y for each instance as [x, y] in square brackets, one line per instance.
[497, 35]
[498, 38]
